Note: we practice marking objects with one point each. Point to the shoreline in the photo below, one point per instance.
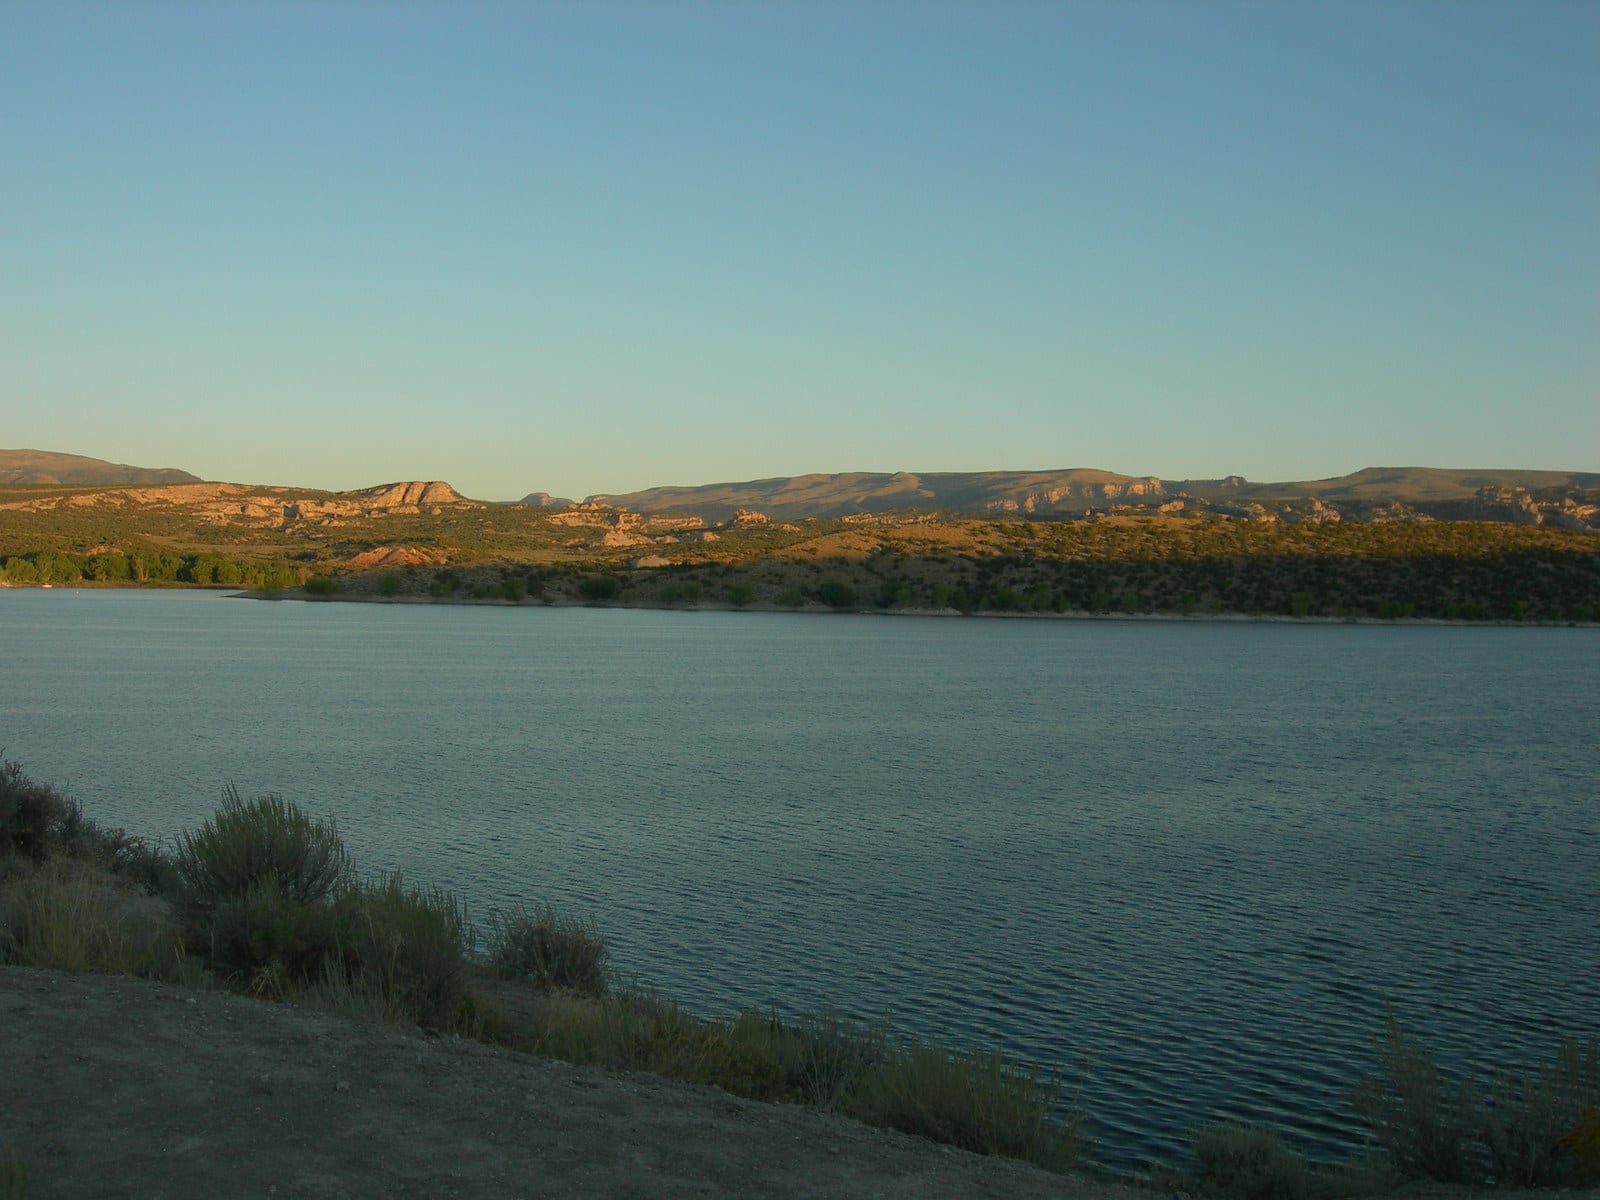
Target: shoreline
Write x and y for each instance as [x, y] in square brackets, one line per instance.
[819, 610]
[813, 609]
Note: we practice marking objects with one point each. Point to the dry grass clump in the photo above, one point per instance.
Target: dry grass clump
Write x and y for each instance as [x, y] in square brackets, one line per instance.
[70, 915]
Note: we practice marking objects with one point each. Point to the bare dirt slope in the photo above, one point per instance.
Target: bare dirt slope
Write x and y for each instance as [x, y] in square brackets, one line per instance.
[113, 1087]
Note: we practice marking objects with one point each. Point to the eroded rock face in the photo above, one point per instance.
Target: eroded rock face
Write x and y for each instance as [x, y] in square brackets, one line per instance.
[1050, 498]
[416, 494]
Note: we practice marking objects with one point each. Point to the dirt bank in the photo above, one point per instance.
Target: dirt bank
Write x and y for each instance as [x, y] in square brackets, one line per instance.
[113, 1087]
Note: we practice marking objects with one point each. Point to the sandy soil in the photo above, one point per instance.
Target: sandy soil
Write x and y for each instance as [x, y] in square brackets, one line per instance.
[113, 1087]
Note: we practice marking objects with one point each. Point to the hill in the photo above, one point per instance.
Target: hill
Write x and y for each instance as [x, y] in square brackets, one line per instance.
[1077, 490]
[44, 467]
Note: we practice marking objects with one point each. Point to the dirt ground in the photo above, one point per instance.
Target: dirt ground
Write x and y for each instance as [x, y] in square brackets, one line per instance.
[113, 1087]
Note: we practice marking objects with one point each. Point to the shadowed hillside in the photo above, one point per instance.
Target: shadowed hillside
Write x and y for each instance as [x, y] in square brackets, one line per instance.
[1367, 494]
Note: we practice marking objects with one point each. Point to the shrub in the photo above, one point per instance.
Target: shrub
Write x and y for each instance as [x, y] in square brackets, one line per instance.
[599, 587]
[1242, 1162]
[322, 585]
[264, 940]
[1532, 1123]
[409, 947]
[548, 949]
[824, 1058]
[972, 1100]
[1413, 1111]
[1521, 1128]
[638, 1031]
[267, 839]
[836, 594]
[30, 814]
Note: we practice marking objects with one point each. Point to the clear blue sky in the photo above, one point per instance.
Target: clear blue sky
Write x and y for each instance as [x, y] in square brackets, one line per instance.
[591, 248]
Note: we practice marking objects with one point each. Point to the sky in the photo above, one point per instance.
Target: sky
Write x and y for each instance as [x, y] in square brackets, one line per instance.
[590, 248]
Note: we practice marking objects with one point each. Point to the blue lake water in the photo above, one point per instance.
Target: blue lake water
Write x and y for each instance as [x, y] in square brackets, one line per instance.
[1187, 865]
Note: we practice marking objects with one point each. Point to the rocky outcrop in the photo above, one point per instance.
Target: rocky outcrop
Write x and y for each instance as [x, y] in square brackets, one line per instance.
[415, 495]
[598, 516]
[672, 524]
[1078, 495]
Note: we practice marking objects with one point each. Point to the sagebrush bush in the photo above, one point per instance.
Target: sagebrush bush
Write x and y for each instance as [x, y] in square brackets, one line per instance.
[408, 946]
[263, 940]
[639, 1031]
[251, 842]
[549, 949]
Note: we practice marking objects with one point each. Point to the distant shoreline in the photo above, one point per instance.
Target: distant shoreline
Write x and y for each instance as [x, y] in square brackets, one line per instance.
[813, 609]
[820, 610]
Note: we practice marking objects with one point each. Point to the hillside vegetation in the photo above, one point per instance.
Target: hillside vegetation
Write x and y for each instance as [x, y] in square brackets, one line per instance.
[424, 540]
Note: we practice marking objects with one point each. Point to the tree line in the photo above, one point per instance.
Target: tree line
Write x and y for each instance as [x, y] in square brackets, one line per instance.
[158, 567]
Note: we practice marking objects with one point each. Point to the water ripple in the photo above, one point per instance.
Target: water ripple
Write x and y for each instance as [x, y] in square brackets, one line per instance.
[1186, 868]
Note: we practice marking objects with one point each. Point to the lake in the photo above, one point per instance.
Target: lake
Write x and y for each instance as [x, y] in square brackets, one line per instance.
[1185, 864]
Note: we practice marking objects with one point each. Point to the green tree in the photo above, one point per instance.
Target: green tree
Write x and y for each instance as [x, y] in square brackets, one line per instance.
[835, 593]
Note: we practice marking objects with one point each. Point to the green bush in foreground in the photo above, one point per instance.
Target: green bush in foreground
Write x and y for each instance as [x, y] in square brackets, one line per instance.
[254, 886]
[548, 949]
[248, 842]
[408, 946]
